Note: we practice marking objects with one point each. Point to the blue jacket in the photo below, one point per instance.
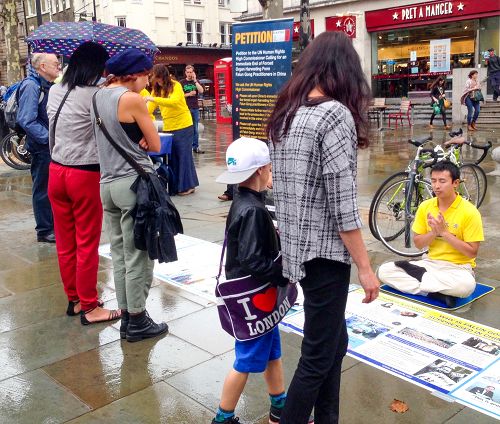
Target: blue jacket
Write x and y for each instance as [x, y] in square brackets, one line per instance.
[31, 115]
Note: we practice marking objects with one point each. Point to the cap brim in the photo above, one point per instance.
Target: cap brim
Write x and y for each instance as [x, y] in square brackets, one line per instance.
[235, 177]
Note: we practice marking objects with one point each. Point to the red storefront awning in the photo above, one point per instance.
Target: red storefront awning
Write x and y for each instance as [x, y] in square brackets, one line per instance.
[432, 12]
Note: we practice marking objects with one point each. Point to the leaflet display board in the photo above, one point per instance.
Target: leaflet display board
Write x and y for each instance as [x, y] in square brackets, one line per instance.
[457, 358]
[262, 64]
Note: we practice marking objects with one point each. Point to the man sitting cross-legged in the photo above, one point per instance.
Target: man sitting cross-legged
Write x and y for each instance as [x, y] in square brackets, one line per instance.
[451, 228]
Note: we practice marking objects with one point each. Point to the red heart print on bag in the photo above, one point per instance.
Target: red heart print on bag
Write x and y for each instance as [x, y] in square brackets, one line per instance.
[266, 301]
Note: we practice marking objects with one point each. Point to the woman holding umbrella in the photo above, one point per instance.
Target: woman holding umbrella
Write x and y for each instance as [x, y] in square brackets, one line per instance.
[74, 182]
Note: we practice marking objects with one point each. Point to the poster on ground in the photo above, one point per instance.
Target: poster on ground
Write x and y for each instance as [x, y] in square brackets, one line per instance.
[435, 350]
[262, 64]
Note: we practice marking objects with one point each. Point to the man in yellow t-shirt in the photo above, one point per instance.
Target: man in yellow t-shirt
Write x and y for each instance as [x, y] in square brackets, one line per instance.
[452, 229]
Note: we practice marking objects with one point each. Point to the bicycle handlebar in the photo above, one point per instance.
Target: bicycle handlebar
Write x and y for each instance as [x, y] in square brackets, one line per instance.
[484, 148]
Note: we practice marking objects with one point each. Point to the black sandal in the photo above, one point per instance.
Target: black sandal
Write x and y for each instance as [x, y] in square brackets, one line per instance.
[113, 316]
[70, 311]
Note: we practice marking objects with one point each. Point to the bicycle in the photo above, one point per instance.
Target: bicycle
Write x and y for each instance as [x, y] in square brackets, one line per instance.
[394, 205]
[13, 151]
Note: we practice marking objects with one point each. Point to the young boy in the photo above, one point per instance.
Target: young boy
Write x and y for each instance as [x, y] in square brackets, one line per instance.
[252, 246]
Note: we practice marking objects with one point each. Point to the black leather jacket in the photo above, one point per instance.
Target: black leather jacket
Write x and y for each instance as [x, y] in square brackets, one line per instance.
[252, 241]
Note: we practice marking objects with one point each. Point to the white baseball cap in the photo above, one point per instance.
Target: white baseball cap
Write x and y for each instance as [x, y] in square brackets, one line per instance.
[243, 157]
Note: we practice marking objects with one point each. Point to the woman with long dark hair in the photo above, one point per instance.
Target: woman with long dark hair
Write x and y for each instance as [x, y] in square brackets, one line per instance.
[319, 121]
[168, 95]
[471, 99]
[74, 182]
[438, 96]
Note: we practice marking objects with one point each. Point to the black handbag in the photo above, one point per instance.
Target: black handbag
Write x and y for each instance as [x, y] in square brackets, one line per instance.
[156, 219]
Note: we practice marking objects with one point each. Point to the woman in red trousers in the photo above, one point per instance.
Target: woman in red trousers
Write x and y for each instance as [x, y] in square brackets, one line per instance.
[74, 183]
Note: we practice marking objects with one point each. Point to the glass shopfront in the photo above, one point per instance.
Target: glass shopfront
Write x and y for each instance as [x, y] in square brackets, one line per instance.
[402, 58]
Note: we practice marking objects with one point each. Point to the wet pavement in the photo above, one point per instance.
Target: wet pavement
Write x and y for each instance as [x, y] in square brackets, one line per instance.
[54, 370]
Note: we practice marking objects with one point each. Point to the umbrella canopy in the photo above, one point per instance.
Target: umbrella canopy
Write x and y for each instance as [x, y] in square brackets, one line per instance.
[63, 38]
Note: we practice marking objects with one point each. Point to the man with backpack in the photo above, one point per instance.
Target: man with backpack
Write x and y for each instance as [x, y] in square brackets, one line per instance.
[32, 118]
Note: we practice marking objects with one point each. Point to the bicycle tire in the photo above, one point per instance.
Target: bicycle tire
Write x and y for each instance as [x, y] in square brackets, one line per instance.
[469, 184]
[389, 216]
[483, 183]
[10, 154]
[385, 183]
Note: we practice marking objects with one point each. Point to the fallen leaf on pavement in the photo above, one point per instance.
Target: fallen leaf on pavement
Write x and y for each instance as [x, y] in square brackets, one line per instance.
[399, 406]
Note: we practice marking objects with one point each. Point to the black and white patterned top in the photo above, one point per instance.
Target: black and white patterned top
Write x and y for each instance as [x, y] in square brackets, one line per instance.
[314, 186]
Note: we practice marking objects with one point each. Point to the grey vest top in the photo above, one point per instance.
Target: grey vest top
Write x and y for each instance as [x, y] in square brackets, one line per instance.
[113, 165]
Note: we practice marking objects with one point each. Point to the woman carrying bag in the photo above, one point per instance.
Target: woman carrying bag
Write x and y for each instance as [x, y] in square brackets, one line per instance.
[438, 97]
[471, 97]
[74, 183]
[123, 117]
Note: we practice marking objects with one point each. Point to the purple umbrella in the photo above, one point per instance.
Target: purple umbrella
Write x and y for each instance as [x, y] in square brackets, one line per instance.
[63, 38]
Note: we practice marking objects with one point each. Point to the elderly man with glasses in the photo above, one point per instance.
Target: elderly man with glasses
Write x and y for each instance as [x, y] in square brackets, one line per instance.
[32, 118]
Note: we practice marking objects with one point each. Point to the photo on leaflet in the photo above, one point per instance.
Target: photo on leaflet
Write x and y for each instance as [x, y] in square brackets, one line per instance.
[443, 373]
[359, 327]
[485, 390]
[483, 345]
[426, 338]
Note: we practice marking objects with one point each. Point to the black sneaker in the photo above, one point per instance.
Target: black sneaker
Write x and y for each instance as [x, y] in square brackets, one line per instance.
[449, 301]
[198, 150]
[231, 420]
[48, 238]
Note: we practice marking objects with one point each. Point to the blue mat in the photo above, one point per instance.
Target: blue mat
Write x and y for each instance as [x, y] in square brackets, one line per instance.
[480, 291]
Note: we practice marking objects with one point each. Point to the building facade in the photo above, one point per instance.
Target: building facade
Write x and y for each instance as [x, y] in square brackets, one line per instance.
[404, 48]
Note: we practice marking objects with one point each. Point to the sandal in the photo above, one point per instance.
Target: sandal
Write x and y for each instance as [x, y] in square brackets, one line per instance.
[186, 193]
[70, 311]
[113, 316]
[224, 197]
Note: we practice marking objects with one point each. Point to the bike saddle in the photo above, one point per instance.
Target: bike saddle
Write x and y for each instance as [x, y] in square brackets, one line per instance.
[417, 142]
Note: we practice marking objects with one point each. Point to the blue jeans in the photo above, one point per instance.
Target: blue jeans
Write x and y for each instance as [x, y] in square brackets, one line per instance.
[472, 110]
[316, 382]
[40, 161]
[195, 113]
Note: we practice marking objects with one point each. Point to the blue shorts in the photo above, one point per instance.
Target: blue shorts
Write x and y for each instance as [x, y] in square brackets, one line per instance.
[253, 355]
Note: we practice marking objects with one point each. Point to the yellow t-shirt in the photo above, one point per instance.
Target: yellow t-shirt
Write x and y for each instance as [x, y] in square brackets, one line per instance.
[174, 110]
[462, 219]
[146, 93]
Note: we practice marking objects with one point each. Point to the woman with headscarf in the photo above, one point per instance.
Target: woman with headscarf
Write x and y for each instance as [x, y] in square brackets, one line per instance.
[168, 95]
[74, 182]
[123, 113]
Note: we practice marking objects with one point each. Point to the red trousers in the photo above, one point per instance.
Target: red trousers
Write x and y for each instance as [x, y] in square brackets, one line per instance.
[76, 205]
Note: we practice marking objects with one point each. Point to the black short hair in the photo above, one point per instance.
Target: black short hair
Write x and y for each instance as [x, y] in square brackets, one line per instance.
[446, 165]
[86, 65]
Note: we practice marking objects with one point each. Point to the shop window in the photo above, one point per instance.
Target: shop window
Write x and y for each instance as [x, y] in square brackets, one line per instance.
[405, 62]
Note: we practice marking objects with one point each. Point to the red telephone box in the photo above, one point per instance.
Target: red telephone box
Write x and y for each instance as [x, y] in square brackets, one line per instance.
[223, 90]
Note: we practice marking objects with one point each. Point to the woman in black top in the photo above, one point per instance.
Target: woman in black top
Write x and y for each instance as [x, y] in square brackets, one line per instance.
[438, 96]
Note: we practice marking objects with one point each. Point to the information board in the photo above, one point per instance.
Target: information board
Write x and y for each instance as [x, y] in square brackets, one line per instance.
[262, 64]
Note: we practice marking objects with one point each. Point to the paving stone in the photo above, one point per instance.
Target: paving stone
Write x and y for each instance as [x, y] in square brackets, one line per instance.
[157, 404]
[101, 376]
[35, 398]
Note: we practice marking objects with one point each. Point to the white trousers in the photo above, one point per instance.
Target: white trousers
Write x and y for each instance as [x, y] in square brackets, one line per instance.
[441, 276]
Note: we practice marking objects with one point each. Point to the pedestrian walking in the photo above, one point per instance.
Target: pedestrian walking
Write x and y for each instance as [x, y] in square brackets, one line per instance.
[167, 94]
[493, 64]
[316, 126]
[191, 88]
[471, 98]
[32, 118]
[438, 97]
[74, 182]
[125, 116]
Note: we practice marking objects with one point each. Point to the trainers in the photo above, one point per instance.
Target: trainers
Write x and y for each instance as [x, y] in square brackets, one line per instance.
[198, 150]
[231, 420]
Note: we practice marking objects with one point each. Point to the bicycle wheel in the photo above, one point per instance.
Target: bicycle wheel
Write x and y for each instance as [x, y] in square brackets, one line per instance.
[395, 177]
[483, 182]
[13, 151]
[469, 184]
[390, 219]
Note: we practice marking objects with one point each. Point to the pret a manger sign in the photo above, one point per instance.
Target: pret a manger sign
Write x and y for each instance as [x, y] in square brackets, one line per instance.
[430, 10]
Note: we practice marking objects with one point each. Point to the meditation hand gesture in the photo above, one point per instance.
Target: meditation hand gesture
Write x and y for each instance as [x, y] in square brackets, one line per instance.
[437, 224]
